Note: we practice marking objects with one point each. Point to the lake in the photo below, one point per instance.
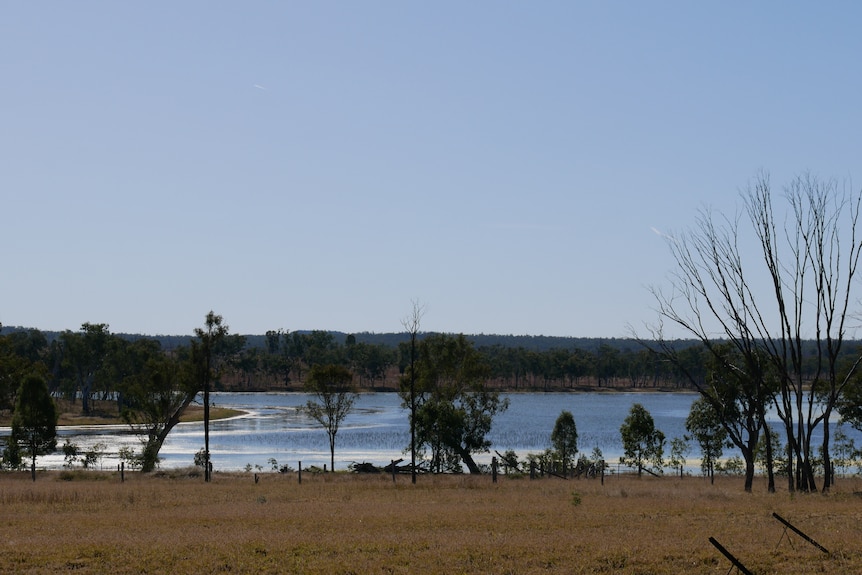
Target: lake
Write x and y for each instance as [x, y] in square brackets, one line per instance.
[377, 431]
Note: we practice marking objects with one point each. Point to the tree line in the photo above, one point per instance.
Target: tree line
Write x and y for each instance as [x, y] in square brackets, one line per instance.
[87, 364]
[448, 385]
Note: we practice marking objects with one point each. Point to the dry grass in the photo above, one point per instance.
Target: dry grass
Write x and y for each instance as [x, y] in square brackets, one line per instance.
[340, 524]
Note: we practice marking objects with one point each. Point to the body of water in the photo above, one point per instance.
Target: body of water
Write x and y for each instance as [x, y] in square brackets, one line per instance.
[377, 430]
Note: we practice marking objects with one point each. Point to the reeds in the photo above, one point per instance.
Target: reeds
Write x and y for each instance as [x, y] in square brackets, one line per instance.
[340, 523]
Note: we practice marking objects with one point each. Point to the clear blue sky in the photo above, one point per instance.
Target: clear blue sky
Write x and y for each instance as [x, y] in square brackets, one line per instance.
[320, 165]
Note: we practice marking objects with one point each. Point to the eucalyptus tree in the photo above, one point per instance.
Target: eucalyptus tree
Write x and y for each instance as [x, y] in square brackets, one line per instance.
[204, 350]
[564, 438]
[814, 295]
[738, 390]
[334, 396]
[798, 288]
[704, 425]
[411, 324]
[84, 354]
[643, 444]
[155, 396]
[370, 361]
[21, 352]
[34, 421]
[453, 407]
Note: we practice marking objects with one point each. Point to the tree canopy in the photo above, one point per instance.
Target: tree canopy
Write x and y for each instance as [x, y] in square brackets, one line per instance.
[643, 444]
[34, 422]
[334, 396]
[564, 438]
[454, 408]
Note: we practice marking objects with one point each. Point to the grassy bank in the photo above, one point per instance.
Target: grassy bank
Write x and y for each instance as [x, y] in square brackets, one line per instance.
[106, 413]
[173, 523]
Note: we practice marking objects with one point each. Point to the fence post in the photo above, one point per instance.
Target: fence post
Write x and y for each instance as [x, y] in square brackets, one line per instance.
[299, 472]
[392, 462]
[122, 472]
[494, 470]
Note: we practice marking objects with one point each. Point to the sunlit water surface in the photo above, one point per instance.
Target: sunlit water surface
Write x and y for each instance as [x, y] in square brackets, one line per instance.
[377, 430]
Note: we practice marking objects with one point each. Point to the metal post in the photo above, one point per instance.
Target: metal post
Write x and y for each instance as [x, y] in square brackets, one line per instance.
[732, 559]
[787, 525]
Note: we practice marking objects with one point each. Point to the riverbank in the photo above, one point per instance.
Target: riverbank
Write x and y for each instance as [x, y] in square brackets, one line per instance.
[339, 523]
[106, 413]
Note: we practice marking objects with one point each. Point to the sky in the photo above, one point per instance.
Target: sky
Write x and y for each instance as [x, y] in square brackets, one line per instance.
[326, 165]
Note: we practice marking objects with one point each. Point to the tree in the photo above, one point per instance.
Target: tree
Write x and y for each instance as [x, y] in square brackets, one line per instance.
[790, 305]
[850, 406]
[678, 451]
[705, 427]
[332, 385]
[453, 408]
[34, 421]
[84, 353]
[642, 443]
[20, 353]
[155, 396]
[411, 324]
[203, 353]
[738, 386]
[564, 438]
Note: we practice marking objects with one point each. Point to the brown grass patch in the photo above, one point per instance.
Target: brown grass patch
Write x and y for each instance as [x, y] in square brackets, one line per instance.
[106, 413]
[173, 523]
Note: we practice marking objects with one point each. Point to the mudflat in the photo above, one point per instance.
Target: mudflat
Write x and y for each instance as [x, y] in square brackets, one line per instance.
[173, 522]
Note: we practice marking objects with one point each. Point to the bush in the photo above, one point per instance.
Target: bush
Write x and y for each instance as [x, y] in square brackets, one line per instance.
[732, 466]
[128, 456]
[71, 453]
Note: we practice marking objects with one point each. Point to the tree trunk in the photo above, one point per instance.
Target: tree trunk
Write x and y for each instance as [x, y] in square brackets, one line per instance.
[157, 436]
[828, 477]
[748, 453]
[791, 453]
[467, 459]
[150, 454]
[770, 465]
[749, 472]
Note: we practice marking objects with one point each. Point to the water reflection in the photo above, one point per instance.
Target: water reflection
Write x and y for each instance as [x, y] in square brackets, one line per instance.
[377, 431]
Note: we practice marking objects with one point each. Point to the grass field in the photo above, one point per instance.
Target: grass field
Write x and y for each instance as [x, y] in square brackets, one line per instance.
[340, 524]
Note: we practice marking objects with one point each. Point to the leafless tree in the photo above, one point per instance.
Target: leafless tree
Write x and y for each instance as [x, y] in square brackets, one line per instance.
[813, 296]
[784, 313]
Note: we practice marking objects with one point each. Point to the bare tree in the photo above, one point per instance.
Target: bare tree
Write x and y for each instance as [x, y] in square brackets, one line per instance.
[769, 312]
[813, 297]
[711, 299]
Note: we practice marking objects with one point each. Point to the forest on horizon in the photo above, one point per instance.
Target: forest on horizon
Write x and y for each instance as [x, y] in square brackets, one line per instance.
[393, 339]
[279, 360]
